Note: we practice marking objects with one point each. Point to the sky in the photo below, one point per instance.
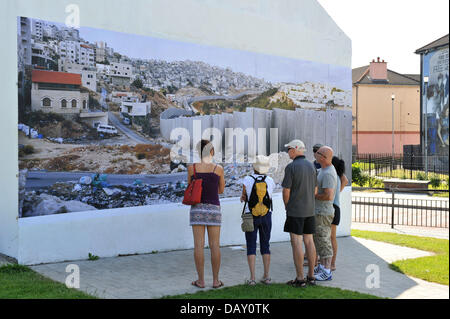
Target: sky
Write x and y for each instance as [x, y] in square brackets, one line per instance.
[274, 69]
[390, 29]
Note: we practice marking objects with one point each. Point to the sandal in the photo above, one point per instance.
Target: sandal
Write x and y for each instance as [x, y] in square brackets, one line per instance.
[220, 285]
[196, 284]
[250, 282]
[297, 283]
[311, 280]
[266, 281]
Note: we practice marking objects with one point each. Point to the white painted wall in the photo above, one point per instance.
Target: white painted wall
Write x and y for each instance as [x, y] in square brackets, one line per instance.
[9, 197]
[288, 28]
[110, 232]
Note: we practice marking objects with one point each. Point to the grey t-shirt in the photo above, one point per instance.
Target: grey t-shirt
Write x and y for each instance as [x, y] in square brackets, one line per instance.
[301, 178]
[327, 178]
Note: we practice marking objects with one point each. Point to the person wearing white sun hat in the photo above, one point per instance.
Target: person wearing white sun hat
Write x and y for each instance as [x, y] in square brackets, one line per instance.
[257, 191]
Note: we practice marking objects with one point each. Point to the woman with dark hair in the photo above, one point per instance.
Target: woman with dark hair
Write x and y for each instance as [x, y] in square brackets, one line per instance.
[207, 214]
[342, 181]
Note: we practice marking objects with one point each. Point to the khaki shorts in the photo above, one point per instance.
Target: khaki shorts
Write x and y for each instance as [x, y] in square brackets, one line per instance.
[322, 237]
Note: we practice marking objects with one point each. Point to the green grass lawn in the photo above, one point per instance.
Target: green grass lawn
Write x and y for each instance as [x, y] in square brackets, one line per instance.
[431, 268]
[20, 282]
[275, 291]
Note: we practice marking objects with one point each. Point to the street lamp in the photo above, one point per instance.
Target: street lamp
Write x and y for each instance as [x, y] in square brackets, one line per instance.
[425, 116]
[393, 152]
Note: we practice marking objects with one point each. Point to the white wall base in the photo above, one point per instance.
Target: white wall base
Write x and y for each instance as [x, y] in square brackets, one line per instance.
[138, 230]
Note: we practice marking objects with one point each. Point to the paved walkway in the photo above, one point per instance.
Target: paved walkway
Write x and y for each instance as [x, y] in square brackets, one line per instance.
[442, 233]
[171, 273]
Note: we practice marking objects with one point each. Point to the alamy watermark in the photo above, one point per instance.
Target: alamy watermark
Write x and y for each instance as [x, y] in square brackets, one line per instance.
[73, 279]
[237, 146]
[73, 17]
[373, 279]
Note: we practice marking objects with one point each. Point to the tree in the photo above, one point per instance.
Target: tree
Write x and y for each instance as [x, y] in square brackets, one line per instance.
[138, 83]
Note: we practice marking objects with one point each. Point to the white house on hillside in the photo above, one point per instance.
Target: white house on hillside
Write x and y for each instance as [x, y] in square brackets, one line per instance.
[58, 92]
[136, 108]
[88, 74]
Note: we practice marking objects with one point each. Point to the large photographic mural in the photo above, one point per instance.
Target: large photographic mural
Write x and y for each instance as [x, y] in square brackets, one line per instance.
[435, 101]
[90, 103]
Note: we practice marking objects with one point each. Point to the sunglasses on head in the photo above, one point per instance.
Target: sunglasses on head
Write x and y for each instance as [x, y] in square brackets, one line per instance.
[321, 154]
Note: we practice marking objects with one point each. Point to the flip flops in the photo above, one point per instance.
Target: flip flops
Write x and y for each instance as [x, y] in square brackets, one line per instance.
[297, 283]
[311, 280]
[250, 282]
[196, 284]
[218, 286]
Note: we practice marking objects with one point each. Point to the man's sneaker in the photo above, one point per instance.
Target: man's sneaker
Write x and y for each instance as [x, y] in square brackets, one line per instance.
[318, 269]
[324, 275]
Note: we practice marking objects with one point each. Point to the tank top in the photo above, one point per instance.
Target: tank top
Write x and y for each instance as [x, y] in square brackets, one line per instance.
[210, 187]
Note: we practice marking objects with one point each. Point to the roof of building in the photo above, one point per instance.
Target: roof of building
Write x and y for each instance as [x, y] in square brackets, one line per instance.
[361, 76]
[40, 76]
[434, 45]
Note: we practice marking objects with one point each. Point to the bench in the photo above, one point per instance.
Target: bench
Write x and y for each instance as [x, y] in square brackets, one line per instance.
[405, 183]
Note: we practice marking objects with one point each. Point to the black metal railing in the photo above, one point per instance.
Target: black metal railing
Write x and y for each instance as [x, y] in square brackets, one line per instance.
[406, 166]
[401, 210]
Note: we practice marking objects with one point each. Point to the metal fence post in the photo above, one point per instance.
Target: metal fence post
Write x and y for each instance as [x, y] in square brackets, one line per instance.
[393, 200]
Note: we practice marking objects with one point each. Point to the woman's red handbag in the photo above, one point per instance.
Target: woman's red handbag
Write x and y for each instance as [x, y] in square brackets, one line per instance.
[193, 193]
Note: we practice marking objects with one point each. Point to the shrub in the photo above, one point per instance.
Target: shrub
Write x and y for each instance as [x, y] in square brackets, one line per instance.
[28, 149]
[375, 182]
[435, 181]
[421, 176]
[358, 176]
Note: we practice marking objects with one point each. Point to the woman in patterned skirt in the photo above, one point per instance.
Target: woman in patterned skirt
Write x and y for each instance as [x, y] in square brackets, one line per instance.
[206, 214]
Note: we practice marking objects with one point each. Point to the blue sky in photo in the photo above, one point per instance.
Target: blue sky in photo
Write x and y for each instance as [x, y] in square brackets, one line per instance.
[268, 67]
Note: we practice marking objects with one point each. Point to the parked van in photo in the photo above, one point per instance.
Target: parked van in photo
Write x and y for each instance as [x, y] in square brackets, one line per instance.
[108, 129]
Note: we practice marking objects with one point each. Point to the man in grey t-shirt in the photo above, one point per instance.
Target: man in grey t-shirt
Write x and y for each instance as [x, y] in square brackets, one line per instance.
[299, 185]
[326, 187]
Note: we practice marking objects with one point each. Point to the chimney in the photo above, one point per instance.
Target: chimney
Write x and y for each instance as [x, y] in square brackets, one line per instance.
[378, 70]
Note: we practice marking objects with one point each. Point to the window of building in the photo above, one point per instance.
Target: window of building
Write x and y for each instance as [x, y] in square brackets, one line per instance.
[63, 103]
[46, 102]
[84, 104]
[74, 103]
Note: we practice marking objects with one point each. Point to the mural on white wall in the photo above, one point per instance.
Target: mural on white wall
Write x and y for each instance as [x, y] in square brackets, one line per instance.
[90, 102]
